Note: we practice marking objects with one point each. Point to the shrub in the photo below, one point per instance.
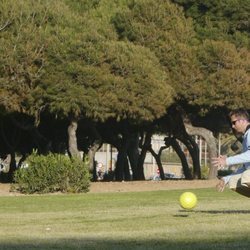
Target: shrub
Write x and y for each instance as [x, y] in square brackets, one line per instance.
[52, 173]
[204, 172]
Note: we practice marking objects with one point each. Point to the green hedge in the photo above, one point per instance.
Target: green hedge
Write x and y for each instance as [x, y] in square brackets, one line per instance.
[52, 173]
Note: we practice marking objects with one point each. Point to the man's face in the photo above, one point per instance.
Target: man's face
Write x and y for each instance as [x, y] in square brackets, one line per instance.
[238, 124]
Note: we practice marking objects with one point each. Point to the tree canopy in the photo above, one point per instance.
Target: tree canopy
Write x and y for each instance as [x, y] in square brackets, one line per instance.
[226, 79]
[220, 20]
[70, 68]
[124, 63]
[197, 69]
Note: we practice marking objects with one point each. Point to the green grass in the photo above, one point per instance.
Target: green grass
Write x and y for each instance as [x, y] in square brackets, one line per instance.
[139, 220]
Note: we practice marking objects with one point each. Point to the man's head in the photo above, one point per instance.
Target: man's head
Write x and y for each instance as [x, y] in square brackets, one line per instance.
[239, 120]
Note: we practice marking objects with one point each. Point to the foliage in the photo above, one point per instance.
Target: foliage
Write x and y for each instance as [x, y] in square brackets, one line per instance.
[122, 61]
[210, 74]
[115, 59]
[64, 57]
[220, 20]
[52, 173]
[106, 78]
[29, 29]
[226, 79]
[120, 80]
[162, 27]
[204, 172]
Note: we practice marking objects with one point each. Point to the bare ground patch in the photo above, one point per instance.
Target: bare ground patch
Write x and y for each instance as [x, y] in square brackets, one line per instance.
[133, 186]
[136, 186]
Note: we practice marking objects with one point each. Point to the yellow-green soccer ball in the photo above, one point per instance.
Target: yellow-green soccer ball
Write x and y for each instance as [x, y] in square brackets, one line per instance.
[188, 200]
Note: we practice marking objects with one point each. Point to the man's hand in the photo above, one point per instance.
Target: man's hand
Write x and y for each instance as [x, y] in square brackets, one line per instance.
[220, 162]
[221, 185]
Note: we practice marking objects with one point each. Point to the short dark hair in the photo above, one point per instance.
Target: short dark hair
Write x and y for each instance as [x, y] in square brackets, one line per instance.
[240, 113]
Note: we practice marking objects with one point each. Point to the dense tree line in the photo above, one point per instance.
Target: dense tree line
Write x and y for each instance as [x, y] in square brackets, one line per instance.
[77, 74]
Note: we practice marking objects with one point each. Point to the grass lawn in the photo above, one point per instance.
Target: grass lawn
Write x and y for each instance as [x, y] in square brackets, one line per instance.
[135, 220]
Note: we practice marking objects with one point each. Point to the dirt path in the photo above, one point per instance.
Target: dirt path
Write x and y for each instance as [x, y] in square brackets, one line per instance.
[137, 186]
[133, 186]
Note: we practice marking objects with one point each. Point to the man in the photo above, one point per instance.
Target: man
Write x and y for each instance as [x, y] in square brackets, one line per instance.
[240, 180]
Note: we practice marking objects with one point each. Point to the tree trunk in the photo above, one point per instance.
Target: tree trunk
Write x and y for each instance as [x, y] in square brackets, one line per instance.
[144, 145]
[133, 155]
[211, 143]
[21, 160]
[121, 170]
[176, 128]
[122, 167]
[186, 170]
[194, 151]
[12, 166]
[127, 175]
[72, 139]
[158, 160]
[91, 156]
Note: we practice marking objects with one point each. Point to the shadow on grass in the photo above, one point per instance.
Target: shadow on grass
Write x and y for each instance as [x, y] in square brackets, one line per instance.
[221, 211]
[116, 244]
[186, 213]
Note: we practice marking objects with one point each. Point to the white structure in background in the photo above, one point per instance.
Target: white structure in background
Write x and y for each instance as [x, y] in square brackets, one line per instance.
[5, 163]
[107, 157]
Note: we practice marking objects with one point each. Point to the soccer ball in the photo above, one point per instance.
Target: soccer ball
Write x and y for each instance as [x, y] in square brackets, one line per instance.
[188, 200]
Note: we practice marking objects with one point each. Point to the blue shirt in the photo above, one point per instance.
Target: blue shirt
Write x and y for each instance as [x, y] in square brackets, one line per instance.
[242, 158]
